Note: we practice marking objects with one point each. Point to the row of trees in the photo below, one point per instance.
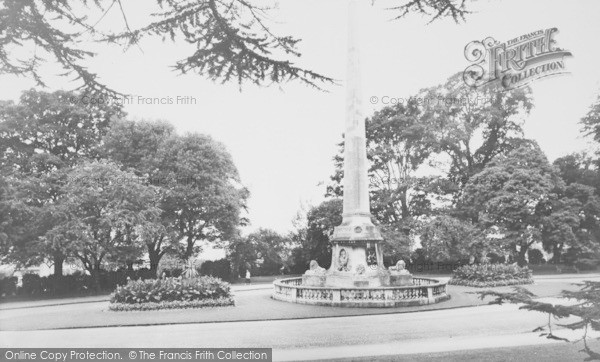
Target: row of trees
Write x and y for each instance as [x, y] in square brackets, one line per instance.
[493, 190]
[80, 182]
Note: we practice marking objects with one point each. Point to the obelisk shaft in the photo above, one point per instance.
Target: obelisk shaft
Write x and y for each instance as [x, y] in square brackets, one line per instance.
[356, 224]
[356, 187]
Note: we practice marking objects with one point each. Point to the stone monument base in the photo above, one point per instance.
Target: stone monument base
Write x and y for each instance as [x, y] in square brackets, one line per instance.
[375, 278]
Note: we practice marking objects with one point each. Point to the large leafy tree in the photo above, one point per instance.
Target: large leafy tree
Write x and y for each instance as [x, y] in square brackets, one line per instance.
[203, 197]
[41, 137]
[15, 230]
[446, 238]
[471, 127]
[313, 237]
[591, 121]
[103, 211]
[579, 168]
[265, 250]
[231, 39]
[46, 131]
[591, 127]
[134, 145]
[574, 223]
[575, 219]
[512, 196]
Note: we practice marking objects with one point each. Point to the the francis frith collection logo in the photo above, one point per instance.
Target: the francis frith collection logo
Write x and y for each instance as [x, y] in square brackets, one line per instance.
[514, 63]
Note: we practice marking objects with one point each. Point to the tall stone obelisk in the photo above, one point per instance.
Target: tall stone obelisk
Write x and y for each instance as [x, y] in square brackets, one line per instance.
[356, 242]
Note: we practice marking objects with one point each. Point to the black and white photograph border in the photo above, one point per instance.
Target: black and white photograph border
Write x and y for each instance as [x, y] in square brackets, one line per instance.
[286, 180]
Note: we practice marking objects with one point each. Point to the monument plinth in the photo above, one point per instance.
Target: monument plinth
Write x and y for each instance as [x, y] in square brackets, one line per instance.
[357, 276]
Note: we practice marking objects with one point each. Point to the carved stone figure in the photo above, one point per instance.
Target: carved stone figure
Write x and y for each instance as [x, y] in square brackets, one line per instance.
[371, 257]
[360, 269]
[314, 268]
[343, 261]
[400, 267]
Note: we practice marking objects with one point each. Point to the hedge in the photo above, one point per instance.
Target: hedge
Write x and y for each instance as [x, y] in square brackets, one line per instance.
[8, 286]
[79, 283]
[491, 275]
[218, 268]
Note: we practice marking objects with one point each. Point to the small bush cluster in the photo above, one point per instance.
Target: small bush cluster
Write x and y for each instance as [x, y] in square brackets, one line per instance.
[172, 293]
[491, 275]
[218, 268]
[535, 256]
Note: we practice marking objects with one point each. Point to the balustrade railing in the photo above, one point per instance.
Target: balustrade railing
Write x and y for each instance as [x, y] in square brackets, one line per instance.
[423, 290]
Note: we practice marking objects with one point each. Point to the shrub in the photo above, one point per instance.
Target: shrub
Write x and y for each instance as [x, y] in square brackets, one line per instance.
[219, 268]
[32, 285]
[587, 264]
[78, 283]
[495, 258]
[171, 266]
[491, 275]
[8, 286]
[535, 256]
[172, 290]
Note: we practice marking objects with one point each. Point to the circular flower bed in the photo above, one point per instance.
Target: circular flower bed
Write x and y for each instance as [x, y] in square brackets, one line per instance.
[170, 293]
[491, 275]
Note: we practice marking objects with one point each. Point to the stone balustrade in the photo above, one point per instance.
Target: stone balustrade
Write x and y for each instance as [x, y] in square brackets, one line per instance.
[423, 291]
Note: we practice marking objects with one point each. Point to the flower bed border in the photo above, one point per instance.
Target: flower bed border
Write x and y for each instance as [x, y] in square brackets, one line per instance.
[489, 284]
[177, 304]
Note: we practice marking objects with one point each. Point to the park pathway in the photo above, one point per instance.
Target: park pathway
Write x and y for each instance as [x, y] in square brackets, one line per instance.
[304, 339]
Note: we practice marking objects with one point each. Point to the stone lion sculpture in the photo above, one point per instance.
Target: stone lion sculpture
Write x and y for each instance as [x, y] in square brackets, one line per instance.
[400, 267]
[314, 268]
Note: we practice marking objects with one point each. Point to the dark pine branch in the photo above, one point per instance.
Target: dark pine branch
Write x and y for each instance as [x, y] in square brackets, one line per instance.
[587, 309]
[435, 9]
[232, 41]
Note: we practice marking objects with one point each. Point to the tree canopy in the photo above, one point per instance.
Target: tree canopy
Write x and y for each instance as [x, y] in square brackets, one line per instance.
[41, 138]
[511, 196]
[103, 210]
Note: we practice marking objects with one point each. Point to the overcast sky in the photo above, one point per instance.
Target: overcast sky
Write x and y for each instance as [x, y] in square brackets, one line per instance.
[283, 138]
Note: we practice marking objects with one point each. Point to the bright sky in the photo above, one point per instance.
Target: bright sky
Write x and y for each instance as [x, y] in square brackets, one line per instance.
[283, 138]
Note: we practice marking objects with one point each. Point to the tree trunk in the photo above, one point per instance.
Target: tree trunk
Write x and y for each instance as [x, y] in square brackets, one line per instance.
[154, 256]
[190, 247]
[556, 254]
[521, 256]
[404, 204]
[96, 275]
[58, 273]
[129, 266]
[58, 265]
